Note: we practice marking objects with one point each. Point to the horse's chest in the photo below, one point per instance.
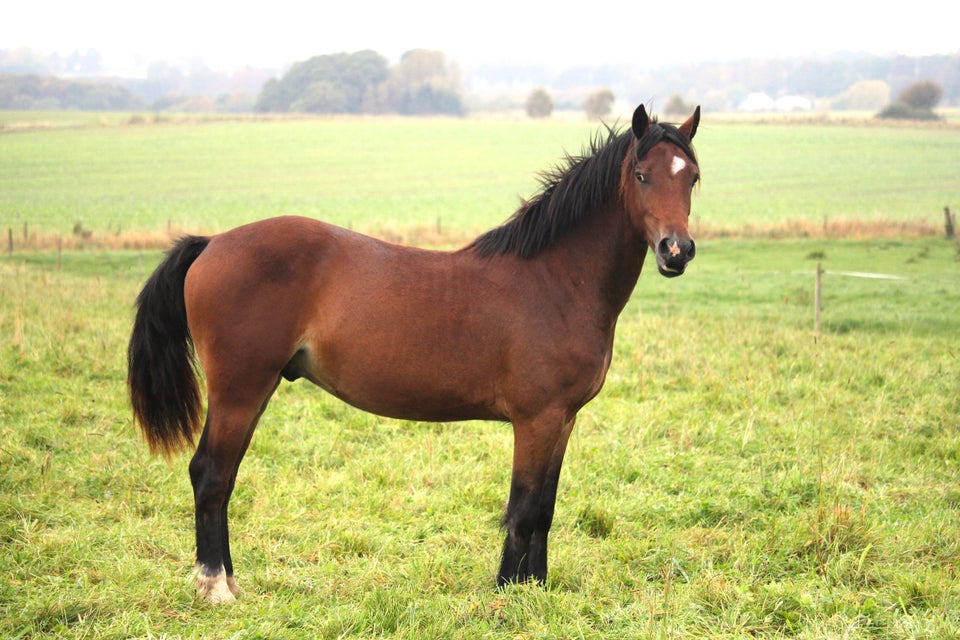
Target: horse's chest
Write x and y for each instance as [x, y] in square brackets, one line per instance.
[599, 376]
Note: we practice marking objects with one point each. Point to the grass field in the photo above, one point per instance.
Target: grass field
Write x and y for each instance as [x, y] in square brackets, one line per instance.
[738, 476]
[398, 177]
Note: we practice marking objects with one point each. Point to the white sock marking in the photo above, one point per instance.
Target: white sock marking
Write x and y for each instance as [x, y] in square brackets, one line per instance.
[217, 589]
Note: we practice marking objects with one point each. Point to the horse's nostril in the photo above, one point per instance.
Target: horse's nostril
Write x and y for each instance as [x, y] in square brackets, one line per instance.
[672, 248]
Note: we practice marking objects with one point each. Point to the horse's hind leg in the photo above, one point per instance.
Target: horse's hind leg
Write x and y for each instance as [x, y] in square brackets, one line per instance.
[538, 453]
[231, 420]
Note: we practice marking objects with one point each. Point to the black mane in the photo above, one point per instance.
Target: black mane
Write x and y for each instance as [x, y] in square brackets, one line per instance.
[573, 190]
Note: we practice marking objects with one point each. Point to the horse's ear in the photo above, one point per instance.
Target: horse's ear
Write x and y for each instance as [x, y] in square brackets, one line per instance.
[641, 121]
[689, 128]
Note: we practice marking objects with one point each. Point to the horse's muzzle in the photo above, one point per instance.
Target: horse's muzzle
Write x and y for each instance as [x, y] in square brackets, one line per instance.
[674, 254]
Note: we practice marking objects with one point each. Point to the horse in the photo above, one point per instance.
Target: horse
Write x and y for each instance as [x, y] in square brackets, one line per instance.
[517, 326]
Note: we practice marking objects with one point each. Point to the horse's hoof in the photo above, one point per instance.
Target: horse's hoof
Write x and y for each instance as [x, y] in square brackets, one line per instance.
[217, 589]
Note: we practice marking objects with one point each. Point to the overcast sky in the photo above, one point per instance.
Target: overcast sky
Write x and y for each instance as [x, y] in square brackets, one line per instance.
[227, 35]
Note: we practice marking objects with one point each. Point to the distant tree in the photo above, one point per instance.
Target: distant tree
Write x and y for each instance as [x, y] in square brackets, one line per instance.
[430, 98]
[539, 103]
[237, 102]
[864, 95]
[336, 83]
[422, 83]
[902, 111]
[915, 102]
[322, 97]
[35, 92]
[273, 97]
[676, 106]
[599, 103]
[361, 72]
[104, 97]
[925, 94]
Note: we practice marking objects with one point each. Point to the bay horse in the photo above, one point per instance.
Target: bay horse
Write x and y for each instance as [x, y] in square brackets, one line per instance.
[516, 326]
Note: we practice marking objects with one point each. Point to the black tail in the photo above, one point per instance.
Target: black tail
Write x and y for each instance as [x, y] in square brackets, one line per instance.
[160, 359]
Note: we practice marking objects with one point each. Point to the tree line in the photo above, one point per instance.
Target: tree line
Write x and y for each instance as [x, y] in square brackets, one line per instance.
[422, 83]
[425, 82]
[31, 92]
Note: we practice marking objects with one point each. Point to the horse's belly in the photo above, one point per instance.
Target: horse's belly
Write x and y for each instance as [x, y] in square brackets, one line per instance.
[422, 386]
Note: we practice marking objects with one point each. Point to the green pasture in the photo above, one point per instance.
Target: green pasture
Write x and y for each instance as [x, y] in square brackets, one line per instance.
[739, 476]
[393, 176]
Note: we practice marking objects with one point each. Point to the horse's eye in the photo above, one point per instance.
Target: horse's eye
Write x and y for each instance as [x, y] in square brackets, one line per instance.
[696, 179]
[642, 179]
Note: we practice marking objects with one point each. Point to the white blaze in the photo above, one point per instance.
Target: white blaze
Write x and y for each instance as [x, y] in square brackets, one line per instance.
[677, 165]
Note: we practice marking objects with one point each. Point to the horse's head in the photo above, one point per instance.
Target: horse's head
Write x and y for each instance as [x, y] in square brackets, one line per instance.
[659, 174]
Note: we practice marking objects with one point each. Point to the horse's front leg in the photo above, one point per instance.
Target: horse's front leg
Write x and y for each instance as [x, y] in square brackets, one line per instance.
[538, 452]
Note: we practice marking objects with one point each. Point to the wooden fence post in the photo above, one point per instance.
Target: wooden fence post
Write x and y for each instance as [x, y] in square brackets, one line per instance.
[10, 241]
[816, 300]
[950, 223]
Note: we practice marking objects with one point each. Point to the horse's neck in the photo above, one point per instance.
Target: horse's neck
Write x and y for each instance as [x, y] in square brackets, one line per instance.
[603, 255]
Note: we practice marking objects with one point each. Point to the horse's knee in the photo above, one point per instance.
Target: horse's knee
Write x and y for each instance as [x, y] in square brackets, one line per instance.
[523, 506]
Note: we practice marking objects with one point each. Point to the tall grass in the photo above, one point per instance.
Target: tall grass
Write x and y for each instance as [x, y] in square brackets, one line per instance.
[737, 477]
